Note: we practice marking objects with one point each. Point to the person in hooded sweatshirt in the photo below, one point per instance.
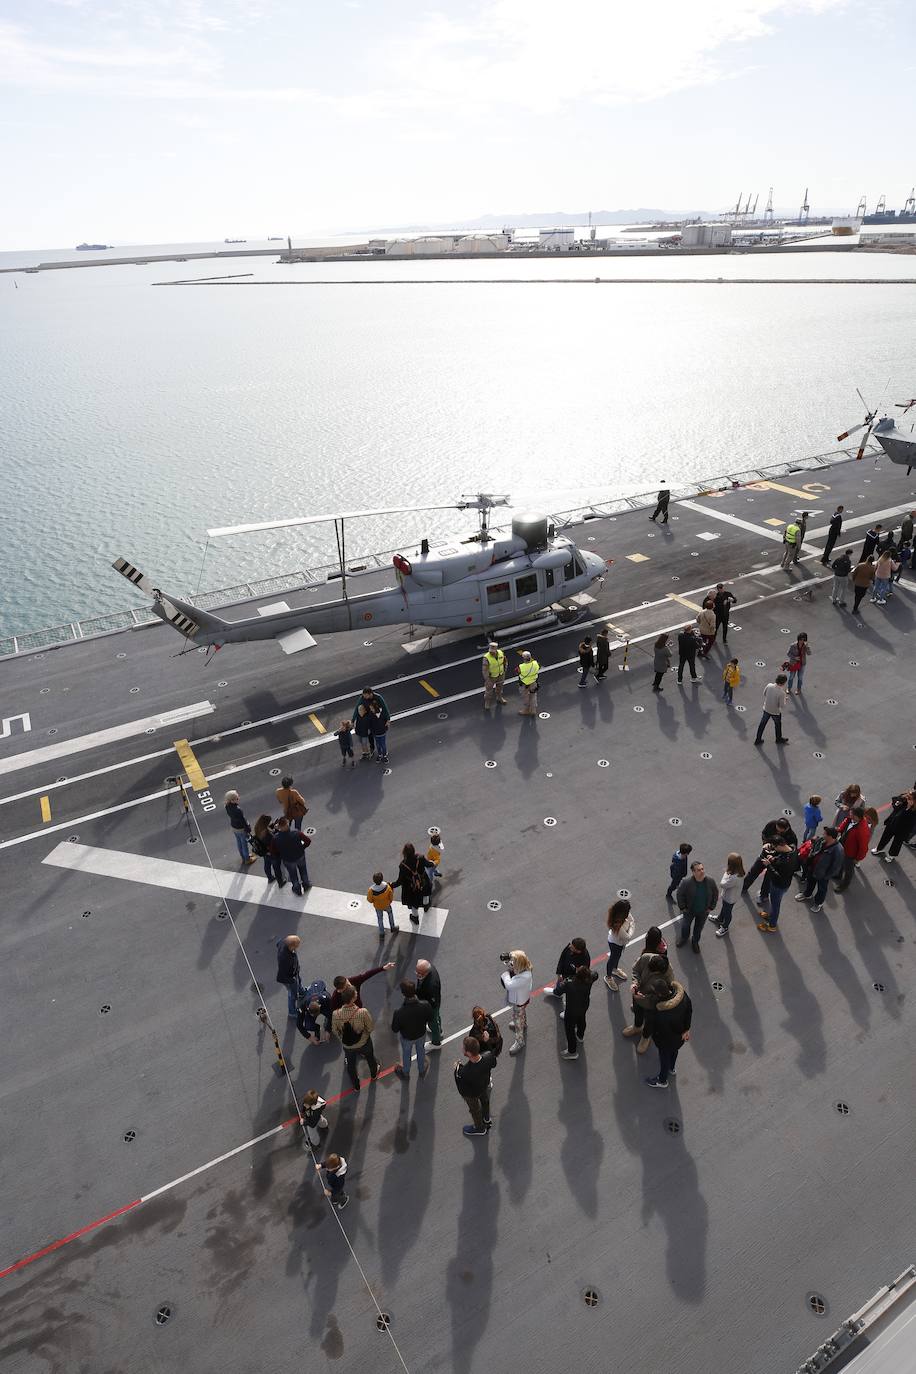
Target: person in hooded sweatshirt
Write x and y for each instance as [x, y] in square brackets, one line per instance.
[670, 1030]
[648, 984]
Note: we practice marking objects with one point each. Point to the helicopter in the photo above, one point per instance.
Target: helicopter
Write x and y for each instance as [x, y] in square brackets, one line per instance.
[899, 445]
[488, 580]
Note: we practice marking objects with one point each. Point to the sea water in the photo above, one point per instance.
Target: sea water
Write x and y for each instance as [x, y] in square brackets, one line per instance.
[135, 416]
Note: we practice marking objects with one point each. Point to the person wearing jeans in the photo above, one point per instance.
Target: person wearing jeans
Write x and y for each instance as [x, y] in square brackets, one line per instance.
[411, 1022]
[824, 862]
[290, 846]
[288, 972]
[780, 864]
[240, 827]
[517, 979]
[774, 700]
[670, 1030]
[798, 656]
[696, 898]
[729, 887]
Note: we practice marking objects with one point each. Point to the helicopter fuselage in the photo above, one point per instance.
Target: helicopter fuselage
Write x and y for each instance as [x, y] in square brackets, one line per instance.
[473, 584]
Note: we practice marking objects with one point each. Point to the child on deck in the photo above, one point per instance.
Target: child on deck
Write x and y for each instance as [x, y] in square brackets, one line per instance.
[378, 732]
[363, 726]
[381, 895]
[813, 817]
[678, 868]
[345, 740]
[335, 1167]
[731, 678]
[314, 1121]
[434, 852]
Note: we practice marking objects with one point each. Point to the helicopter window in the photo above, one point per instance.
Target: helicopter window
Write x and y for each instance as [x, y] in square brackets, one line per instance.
[549, 577]
[498, 592]
[569, 570]
[527, 585]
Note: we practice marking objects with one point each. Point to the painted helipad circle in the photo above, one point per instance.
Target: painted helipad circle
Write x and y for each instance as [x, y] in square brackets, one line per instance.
[550, 820]
[275, 772]
[787, 811]
[222, 683]
[386, 773]
[760, 663]
[314, 682]
[832, 701]
[309, 830]
[675, 579]
[604, 763]
[443, 715]
[43, 691]
[706, 754]
[151, 730]
[784, 631]
[120, 655]
[134, 691]
[674, 820]
[367, 643]
[817, 754]
[742, 709]
[623, 892]
[355, 905]
[543, 715]
[489, 763]
[853, 663]
[494, 905]
[639, 710]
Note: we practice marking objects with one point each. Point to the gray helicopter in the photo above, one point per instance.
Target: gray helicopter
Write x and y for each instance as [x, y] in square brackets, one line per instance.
[491, 579]
[899, 444]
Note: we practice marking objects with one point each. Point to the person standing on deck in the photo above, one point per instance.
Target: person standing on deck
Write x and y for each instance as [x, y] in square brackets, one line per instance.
[789, 541]
[833, 534]
[472, 1079]
[706, 625]
[493, 665]
[774, 701]
[602, 652]
[841, 568]
[723, 600]
[664, 498]
[696, 898]
[292, 803]
[586, 659]
[429, 989]
[872, 539]
[862, 578]
[687, 644]
[802, 531]
[528, 672]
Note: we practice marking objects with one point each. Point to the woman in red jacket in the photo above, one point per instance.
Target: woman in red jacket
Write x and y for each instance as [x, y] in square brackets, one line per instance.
[855, 836]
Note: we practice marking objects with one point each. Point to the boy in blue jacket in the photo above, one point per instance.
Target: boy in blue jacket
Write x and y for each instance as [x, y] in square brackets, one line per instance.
[678, 868]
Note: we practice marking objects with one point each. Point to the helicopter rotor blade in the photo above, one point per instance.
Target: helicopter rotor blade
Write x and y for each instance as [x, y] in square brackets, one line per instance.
[865, 438]
[855, 429]
[322, 519]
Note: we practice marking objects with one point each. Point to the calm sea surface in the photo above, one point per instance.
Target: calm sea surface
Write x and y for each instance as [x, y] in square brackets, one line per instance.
[133, 416]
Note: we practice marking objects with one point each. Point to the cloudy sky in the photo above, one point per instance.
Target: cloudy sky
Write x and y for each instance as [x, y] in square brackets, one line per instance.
[150, 121]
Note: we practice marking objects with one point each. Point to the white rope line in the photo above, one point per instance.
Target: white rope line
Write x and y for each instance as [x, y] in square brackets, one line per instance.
[383, 1322]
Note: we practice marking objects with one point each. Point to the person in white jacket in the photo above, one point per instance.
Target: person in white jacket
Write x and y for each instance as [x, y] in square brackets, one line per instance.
[517, 980]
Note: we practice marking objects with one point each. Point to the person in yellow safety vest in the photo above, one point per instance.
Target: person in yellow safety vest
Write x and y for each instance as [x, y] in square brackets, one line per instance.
[494, 675]
[789, 543]
[528, 671]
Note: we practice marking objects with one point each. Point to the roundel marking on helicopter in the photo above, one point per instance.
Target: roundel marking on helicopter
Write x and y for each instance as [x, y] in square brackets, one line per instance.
[367, 615]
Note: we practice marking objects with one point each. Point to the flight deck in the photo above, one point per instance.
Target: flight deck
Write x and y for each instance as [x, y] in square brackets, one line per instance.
[159, 1206]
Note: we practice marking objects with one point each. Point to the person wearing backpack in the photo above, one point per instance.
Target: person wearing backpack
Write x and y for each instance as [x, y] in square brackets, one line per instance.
[316, 1002]
[353, 1027]
[823, 862]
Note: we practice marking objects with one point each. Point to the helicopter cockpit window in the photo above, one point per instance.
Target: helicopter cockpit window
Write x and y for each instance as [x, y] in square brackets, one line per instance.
[526, 585]
[497, 593]
[569, 570]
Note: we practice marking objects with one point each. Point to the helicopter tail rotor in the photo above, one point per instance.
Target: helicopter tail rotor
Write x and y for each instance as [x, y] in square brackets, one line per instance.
[186, 619]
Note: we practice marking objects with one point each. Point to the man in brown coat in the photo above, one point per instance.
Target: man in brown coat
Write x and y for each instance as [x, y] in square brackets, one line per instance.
[353, 1027]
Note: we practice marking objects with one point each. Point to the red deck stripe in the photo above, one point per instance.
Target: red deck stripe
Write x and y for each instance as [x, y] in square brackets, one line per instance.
[65, 1240]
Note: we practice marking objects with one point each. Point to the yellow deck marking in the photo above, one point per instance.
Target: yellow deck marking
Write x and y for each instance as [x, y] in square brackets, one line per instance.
[816, 486]
[425, 685]
[773, 521]
[638, 557]
[190, 765]
[45, 809]
[684, 602]
[317, 723]
[778, 486]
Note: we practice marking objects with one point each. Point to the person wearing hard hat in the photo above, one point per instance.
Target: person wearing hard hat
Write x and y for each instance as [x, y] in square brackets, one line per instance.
[528, 671]
[494, 675]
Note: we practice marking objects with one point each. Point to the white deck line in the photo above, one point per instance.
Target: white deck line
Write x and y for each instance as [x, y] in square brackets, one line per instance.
[62, 748]
[235, 886]
[735, 520]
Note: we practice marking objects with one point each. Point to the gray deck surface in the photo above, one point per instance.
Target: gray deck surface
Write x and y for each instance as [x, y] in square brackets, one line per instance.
[702, 1244]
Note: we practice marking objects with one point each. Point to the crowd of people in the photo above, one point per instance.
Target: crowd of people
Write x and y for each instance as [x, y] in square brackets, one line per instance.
[660, 1007]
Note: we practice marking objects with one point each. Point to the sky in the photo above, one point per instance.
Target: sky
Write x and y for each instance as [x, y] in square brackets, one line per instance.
[163, 121]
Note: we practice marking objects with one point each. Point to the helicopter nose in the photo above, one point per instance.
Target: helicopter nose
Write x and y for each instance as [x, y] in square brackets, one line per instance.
[595, 565]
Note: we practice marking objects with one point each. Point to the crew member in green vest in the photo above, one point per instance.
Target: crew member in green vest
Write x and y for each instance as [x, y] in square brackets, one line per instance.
[790, 536]
[528, 671]
[494, 675]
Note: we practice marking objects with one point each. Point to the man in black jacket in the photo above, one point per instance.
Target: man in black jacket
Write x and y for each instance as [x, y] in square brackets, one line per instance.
[687, 645]
[696, 898]
[411, 1022]
[777, 829]
[290, 846]
[288, 972]
[723, 600]
[429, 989]
[571, 956]
[833, 534]
[664, 497]
[472, 1079]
